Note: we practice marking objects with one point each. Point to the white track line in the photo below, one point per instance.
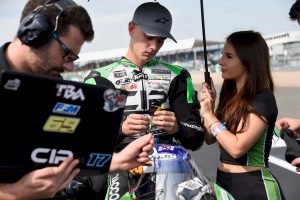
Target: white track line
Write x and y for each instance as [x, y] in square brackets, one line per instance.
[278, 142]
[283, 164]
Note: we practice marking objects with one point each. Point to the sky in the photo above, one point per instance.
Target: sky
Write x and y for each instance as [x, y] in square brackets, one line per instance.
[110, 19]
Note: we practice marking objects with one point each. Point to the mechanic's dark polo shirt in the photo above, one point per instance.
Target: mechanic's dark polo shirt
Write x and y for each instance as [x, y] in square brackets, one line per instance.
[3, 62]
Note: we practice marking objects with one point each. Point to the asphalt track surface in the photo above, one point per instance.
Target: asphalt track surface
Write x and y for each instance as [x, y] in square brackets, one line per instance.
[288, 99]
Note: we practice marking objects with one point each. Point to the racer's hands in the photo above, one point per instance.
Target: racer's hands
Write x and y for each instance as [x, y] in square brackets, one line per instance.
[135, 123]
[165, 120]
[41, 183]
[134, 154]
[290, 123]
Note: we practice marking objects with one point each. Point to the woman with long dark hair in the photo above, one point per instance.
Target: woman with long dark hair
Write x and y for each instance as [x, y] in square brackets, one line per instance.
[244, 119]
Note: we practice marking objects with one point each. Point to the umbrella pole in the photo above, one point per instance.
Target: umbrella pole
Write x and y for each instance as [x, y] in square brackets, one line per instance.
[206, 73]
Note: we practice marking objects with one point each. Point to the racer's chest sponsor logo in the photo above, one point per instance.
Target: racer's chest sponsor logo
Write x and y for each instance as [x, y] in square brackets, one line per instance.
[69, 92]
[123, 81]
[128, 87]
[68, 109]
[160, 71]
[119, 74]
[158, 85]
[138, 75]
[166, 77]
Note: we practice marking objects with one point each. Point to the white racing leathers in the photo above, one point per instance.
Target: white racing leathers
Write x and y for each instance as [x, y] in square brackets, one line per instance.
[158, 84]
[155, 85]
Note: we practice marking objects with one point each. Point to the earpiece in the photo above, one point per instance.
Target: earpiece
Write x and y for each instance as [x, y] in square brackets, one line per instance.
[35, 29]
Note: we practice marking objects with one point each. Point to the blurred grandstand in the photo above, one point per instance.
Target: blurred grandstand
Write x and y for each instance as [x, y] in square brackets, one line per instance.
[284, 55]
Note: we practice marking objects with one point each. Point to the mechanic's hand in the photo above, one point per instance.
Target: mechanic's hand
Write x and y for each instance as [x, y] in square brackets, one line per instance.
[135, 123]
[134, 154]
[165, 120]
[295, 162]
[42, 183]
[290, 123]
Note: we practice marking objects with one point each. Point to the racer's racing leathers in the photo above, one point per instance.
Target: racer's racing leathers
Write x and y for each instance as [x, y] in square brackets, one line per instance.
[157, 84]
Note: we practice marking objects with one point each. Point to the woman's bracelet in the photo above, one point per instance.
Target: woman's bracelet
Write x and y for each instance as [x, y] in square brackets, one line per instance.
[212, 123]
[220, 127]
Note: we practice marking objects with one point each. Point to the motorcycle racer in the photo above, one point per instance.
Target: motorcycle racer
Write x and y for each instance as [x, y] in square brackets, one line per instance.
[161, 98]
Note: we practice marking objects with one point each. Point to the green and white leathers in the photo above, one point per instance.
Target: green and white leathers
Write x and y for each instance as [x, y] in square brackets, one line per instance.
[158, 84]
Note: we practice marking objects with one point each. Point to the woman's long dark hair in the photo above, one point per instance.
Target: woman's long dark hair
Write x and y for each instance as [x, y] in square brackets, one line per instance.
[253, 52]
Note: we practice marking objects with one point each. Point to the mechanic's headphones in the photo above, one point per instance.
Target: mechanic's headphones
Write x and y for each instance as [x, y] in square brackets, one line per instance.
[35, 28]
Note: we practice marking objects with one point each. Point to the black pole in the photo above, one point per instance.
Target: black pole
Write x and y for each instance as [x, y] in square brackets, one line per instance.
[206, 73]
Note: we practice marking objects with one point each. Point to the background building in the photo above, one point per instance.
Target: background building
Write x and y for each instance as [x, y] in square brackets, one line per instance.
[284, 55]
[284, 50]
